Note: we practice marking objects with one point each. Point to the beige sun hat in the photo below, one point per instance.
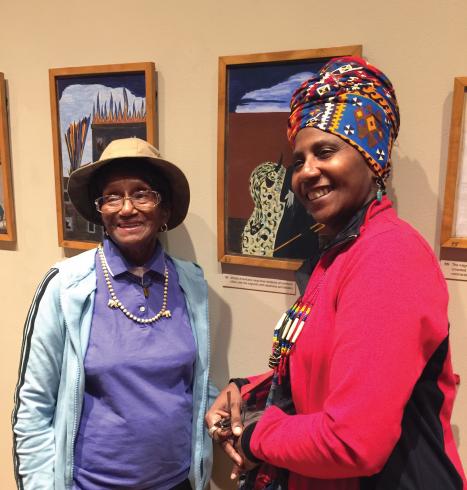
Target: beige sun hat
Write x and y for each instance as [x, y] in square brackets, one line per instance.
[79, 188]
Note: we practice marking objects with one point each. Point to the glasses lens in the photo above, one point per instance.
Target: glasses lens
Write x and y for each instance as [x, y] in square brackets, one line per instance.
[111, 202]
[145, 198]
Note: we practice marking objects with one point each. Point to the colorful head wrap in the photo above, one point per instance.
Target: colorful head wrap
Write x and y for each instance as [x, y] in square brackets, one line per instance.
[352, 99]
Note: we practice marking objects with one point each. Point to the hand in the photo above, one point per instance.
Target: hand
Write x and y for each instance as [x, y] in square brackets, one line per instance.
[220, 409]
[247, 464]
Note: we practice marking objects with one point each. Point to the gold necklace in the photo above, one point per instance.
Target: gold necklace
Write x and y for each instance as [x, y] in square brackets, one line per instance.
[114, 302]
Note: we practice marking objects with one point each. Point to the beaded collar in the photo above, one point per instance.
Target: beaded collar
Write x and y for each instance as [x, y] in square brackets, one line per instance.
[290, 326]
[114, 302]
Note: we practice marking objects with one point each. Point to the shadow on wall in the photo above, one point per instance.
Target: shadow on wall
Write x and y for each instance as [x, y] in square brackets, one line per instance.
[409, 182]
[443, 160]
[455, 432]
[221, 471]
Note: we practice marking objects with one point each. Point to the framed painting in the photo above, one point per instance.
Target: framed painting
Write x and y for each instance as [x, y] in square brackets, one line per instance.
[91, 106]
[454, 225]
[259, 221]
[7, 216]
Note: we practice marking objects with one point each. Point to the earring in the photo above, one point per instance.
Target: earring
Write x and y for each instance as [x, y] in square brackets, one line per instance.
[163, 228]
[381, 189]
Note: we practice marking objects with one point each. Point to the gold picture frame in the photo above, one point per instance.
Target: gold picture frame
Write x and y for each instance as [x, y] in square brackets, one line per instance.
[7, 215]
[454, 223]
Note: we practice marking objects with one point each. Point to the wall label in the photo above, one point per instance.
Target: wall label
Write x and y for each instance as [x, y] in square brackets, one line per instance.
[454, 270]
[259, 284]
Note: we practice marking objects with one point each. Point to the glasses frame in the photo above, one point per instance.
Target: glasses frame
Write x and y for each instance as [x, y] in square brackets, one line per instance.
[131, 199]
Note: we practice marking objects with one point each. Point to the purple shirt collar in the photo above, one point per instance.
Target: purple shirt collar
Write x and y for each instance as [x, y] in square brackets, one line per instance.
[117, 264]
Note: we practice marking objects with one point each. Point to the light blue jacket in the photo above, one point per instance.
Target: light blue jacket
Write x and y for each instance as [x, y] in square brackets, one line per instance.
[49, 393]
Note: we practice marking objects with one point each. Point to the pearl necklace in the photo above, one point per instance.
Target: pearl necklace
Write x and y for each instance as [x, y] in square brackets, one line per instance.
[114, 302]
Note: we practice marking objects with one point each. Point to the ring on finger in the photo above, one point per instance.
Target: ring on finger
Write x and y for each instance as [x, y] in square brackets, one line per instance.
[212, 430]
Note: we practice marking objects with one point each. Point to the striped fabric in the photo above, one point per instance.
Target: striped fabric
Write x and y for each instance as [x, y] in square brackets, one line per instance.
[25, 349]
[352, 99]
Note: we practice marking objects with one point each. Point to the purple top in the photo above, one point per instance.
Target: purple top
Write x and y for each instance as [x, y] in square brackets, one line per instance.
[135, 429]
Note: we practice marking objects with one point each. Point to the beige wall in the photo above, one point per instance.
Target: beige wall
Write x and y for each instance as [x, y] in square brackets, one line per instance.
[421, 45]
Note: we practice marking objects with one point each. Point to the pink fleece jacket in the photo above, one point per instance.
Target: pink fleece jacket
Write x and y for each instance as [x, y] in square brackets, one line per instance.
[379, 319]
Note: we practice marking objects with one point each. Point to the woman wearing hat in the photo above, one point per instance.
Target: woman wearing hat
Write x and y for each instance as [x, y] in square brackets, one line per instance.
[113, 383]
[365, 349]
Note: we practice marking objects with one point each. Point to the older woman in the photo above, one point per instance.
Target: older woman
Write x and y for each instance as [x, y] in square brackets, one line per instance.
[365, 350]
[113, 383]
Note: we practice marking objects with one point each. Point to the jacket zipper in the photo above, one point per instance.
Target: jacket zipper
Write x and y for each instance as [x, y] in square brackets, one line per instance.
[204, 399]
[75, 425]
[69, 483]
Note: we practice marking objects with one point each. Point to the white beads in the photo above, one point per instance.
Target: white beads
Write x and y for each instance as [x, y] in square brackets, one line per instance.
[114, 302]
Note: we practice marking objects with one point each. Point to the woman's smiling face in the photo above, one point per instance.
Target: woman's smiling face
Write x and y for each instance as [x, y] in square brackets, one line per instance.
[134, 231]
[331, 178]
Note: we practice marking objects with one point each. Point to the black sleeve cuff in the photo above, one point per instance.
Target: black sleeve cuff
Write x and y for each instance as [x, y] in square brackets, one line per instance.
[245, 441]
[239, 382]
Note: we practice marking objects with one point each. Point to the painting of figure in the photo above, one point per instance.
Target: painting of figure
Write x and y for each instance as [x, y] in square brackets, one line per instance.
[263, 217]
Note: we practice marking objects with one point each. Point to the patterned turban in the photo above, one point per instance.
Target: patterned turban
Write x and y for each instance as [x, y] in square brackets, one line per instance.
[352, 99]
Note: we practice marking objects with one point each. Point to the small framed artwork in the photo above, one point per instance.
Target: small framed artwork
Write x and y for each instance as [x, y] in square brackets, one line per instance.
[7, 216]
[260, 223]
[454, 225]
[91, 106]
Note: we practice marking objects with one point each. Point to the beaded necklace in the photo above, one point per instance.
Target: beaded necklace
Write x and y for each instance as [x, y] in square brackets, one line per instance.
[289, 327]
[114, 302]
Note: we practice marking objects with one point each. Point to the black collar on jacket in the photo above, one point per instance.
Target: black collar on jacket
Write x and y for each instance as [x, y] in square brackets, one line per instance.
[350, 232]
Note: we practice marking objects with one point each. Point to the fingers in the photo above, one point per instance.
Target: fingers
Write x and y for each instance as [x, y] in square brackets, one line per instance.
[236, 416]
[214, 415]
[236, 471]
[227, 405]
[227, 408]
[229, 449]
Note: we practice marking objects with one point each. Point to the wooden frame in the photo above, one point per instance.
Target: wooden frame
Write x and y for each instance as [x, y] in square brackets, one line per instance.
[91, 106]
[7, 215]
[252, 132]
[454, 225]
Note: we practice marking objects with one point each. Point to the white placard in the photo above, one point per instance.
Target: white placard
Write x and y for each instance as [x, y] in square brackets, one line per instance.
[259, 284]
[453, 269]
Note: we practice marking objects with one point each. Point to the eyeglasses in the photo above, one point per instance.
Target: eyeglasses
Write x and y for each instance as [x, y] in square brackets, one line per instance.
[141, 200]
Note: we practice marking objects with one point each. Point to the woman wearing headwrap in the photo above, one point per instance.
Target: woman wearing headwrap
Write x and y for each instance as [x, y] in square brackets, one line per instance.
[364, 353]
[113, 384]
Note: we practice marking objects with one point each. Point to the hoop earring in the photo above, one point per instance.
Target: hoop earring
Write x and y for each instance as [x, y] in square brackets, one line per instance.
[163, 228]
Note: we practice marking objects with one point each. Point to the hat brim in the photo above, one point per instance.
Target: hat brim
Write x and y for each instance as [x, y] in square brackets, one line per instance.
[79, 188]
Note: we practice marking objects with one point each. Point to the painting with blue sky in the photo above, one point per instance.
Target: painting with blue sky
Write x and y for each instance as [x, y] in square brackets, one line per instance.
[258, 97]
[83, 98]
[92, 110]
